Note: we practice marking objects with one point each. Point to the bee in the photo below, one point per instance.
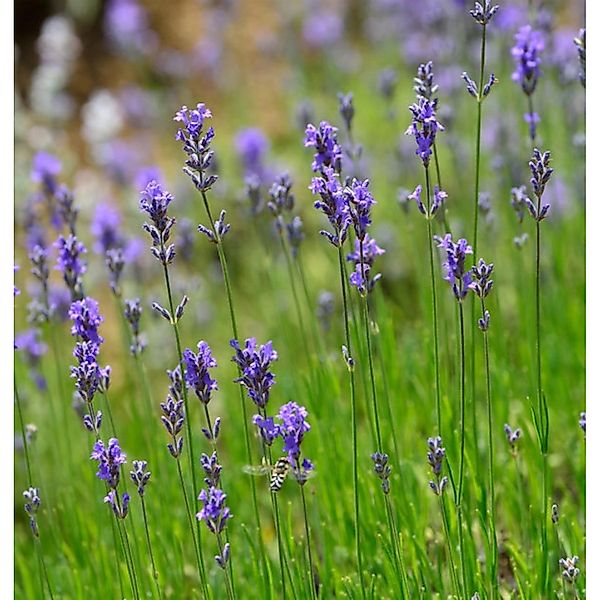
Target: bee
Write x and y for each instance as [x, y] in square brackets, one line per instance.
[278, 472]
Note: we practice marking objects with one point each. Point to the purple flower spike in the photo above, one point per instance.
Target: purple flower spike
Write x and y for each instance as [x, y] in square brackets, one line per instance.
[424, 127]
[140, 475]
[435, 457]
[86, 318]
[196, 144]
[456, 273]
[483, 13]
[382, 470]
[254, 362]
[70, 263]
[529, 44]
[214, 512]
[155, 202]
[45, 169]
[328, 153]
[292, 429]
[119, 506]
[361, 277]
[173, 413]
[268, 429]
[32, 505]
[197, 375]
[212, 469]
[109, 458]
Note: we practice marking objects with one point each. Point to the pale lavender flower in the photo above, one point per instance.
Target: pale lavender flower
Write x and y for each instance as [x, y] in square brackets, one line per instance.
[86, 318]
[483, 12]
[214, 512]
[173, 413]
[155, 203]
[529, 44]
[582, 422]
[252, 146]
[105, 228]
[512, 437]
[45, 169]
[197, 374]
[328, 153]
[133, 313]
[382, 470]
[70, 263]
[456, 272]
[109, 458]
[292, 429]
[424, 127]
[119, 505]
[435, 456]
[140, 475]
[439, 197]
[212, 469]
[363, 257]
[580, 43]
[32, 505]
[570, 571]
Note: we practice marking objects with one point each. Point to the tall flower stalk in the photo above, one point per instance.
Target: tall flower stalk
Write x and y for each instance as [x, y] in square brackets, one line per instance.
[541, 172]
[197, 146]
[481, 286]
[327, 166]
[459, 277]
[424, 128]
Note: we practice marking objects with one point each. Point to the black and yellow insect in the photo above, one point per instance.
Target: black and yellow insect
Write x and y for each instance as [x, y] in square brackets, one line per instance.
[278, 472]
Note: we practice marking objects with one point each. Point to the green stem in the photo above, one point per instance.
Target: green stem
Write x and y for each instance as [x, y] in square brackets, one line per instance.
[228, 582]
[24, 436]
[234, 329]
[152, 561]
[436, 350]
[198, 553]
[128, 562]
[449, 543]
[353, 425]
[461, 546]
[38, 546]
[492, 517]
[311, 573]
[398, 563]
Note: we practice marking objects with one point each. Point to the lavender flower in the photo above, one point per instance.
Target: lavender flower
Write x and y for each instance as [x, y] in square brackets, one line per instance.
[382, 470]
[435, 457]
[32, 505]
[360, 202]
[328, 153]
[539, 165]
[456, 273]
[140, 475]
[363, 258]
[529, 44]
[253, 191]
[570, 571]
[554, 514]
[519, 201]
[214, 511]
[70, 263]
[292, 429]
[512, 437]
[439, 197]
[424, 127]
[582, 422]
[481, 286]
[483, 13]
[39, 261]
[87, 373]
[133, 312]
[333, 204]
[86, 318]
[105, 228]
[109, 459]
[120, 506]
[212, 469]
[197, 376]
[45, 169]
[196, 144]
[155, 203]
[65, 206]
[173, 414]
[269, 430]
[423, 82]
[580, 43]
[254, 362]
[346, 108]
[252, 146]
[281, 197]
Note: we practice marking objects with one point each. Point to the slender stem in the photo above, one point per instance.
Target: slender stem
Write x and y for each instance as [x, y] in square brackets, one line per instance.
[461, 545]
[449, 543]
[461, 321]
[228, 582]
[198, 553]
[38, 547]
[353, 425]
[23, 434]
[128, 562]
[311, 574]
[492, 516]
[532, 127]
[436, 350]
[118, 564]
[367, 321]
[128, 547]
[152, 561]
[234, 329]
[398, 564]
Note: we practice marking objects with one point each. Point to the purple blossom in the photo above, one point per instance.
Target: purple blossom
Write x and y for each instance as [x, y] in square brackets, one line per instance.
[252, 145]
[212, 469]
[292, 429]
[119, 506]
[254, 362]
[133, 313]
[483, 12]
[424, 127]
[570, 571]
[435, 457]
[147, 174]
[115, 263]
[328, 153]
[105, 228]
[126, 25]
[529, 44]
[214, 512]
[439, 197]
[87, 373]
[86, 318]
[70, 263]
[173, 413]
[423, 82]
[363, 262]
[333, 204]
[45, 169]
[109, 459]
[155, 202]
[268, 429]
[360, 202]
[197, 375]
[382, 470]
[456, 273]
[196, 144]
[346, 108]
[33, 348]
[582, 422]
[65, 208]
[140, 475]
[512, 437]
[32, 505]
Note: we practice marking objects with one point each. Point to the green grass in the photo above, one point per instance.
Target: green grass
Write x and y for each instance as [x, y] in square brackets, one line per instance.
[76, 532]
